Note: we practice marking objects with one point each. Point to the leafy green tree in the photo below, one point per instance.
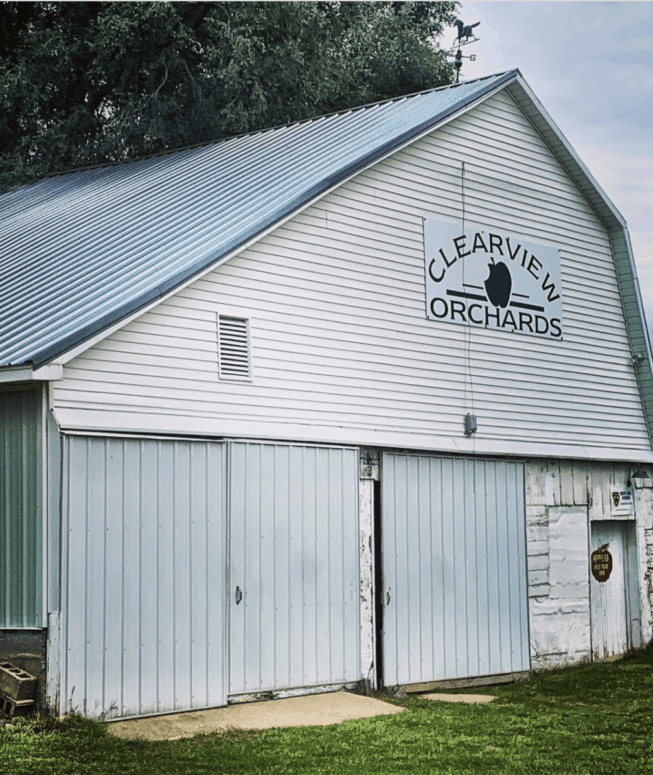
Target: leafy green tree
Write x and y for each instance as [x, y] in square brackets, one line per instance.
[92, 82]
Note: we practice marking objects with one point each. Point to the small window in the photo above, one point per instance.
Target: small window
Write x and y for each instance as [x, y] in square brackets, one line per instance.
[233, 348]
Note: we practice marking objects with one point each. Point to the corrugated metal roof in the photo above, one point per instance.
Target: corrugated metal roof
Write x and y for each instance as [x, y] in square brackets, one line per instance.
[81, 251]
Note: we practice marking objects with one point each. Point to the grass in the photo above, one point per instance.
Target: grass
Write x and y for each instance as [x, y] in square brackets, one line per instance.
[594, 719]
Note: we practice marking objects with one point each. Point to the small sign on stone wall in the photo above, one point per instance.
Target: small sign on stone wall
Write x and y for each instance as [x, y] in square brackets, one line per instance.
[601, 563]
[621, 502]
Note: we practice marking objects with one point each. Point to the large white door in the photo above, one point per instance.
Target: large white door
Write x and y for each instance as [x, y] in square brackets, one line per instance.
[144, 576]
[454, 568]
[156, 619]
[294, 567]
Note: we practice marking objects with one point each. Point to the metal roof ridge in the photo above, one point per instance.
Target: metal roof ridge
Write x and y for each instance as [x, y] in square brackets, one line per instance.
[255, 132]
[422, 118]
[284, 210]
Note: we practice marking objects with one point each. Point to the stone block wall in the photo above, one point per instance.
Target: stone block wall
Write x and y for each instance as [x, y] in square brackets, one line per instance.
[27, 649]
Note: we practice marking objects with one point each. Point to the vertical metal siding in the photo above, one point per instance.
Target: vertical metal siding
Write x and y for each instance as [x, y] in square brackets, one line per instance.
[294, 557]
[145, 571]
[21, 529]
[454, 563]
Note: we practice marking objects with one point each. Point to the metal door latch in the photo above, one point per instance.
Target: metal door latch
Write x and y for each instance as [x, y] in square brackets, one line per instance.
[239, 595]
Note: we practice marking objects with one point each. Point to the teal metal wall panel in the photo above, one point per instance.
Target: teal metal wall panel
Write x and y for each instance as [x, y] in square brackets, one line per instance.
[144, 576]
[638, 335]
[21, 522]
[454, 567]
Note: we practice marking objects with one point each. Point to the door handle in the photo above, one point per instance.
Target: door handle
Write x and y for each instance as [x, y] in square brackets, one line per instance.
[239, 595]
[387, 598]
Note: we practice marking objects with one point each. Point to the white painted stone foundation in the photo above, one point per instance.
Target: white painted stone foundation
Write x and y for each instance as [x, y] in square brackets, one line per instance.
[562, 498]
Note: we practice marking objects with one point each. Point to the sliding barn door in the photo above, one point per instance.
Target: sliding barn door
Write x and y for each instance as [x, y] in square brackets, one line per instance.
[144, 617]
[294, 589]
[454, 567]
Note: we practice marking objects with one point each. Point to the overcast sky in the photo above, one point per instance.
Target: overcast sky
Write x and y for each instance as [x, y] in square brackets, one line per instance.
[591, 66]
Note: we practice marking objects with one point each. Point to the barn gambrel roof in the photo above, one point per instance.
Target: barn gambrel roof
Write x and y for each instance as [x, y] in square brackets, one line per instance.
[81, 252]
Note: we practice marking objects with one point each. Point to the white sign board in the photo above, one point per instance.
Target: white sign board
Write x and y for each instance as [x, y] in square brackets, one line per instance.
[492, 279]
[621, 502]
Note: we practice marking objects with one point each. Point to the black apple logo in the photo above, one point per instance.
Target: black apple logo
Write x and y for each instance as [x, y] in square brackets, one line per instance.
[498, 284]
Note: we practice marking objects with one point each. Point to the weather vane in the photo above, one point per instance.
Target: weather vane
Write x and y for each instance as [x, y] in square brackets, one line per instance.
[465, 37]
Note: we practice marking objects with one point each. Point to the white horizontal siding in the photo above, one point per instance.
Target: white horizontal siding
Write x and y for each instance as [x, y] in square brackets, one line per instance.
[339, 336]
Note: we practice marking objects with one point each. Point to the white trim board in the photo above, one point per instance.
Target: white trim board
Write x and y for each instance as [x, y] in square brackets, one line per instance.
[98, 422]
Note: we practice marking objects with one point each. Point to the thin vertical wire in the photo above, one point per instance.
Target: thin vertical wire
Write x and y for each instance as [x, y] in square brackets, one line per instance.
[191, 586]
[468, 326]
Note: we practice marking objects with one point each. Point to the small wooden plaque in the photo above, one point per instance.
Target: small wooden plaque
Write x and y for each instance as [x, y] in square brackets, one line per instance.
[601, 563]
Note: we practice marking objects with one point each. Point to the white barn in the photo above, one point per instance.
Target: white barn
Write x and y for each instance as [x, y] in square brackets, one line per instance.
[352, 401]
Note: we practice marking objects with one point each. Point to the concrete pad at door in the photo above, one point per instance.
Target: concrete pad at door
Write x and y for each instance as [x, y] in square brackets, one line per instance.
[472, 699]
[313, 710]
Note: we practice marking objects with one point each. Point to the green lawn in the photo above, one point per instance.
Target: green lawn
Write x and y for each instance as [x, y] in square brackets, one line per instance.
[594, 719]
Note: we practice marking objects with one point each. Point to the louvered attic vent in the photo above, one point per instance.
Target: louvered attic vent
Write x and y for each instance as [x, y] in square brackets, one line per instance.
[233, 348]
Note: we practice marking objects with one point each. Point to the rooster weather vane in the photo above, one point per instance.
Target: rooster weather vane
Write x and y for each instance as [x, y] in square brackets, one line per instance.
[465, 36]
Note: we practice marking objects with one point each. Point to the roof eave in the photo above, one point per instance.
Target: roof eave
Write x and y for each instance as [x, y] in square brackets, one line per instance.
[521, 92]
[630, 292]
[28, 373]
